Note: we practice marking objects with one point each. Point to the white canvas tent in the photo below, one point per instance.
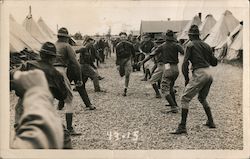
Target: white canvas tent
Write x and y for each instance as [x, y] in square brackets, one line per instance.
[206, 26]
[45, 28]
[32, 27]
[20, 38]
[221, 29]
[231, 48]
[184, 34]
[50, 34]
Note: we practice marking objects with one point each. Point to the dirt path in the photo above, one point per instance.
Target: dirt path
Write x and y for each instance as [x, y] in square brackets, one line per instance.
[136, 121]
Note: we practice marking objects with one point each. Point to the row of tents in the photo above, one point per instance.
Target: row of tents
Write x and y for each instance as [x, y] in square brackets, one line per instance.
[26, 39]
[225, 36]
[29, 35]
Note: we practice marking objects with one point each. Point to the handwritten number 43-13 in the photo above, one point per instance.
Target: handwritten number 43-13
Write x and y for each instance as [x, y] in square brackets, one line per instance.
[119, 136]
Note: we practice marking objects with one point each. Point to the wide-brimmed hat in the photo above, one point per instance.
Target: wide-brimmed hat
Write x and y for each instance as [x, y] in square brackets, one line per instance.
[194, 30]
[170, 35]
[87, 38]
[63, 32]
[48, 48]
[146, 35]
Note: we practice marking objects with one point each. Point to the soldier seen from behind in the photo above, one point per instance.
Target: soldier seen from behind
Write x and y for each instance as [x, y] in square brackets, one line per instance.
[201, 57]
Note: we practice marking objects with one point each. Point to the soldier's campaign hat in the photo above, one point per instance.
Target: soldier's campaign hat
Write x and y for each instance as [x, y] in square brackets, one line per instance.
[87, 38]
[194, 30]
[63, 32]
[170, 35]
[123, 33]
[48, 48]
[146, 35]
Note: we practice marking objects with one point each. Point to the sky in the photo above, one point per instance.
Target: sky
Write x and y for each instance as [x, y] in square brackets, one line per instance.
[96, 16]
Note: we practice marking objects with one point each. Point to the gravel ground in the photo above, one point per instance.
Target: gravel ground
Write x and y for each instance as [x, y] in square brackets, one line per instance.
[136, 121]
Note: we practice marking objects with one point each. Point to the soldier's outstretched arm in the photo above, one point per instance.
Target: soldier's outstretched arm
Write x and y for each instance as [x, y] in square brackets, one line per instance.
[39, 126]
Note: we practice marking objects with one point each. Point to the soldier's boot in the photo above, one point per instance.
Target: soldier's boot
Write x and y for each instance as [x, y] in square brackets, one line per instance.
[174, 108]
[69, 119]
[91, 107]
[100, 77]
[182, 126]
[157, 92]
[60, 105]
[67, 139]
[159, 84]
[147, 73]
[210, 121]
[85, 98]
[173, 97]
[125, 92]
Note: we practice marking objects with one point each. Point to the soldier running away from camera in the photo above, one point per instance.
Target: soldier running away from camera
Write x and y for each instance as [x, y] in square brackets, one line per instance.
[145, 48]
[66, 59]
[124, 54]
[86, 65]
[201, 56]
[168, 62]
[55, 80]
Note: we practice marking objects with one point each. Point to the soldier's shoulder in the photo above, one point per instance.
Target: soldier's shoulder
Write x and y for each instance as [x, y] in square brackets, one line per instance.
[206, 44]
[190, 44]
[128, 42]
[119, 44]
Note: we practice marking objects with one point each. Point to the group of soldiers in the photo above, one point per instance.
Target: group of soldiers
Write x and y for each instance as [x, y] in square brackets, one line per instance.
[60, 66]
[160, 65]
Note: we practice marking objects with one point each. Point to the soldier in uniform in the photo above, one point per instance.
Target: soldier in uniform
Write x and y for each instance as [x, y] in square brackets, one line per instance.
[124, 54]
[168, 58]
[200, 55]
[40, 126]
[86, 65]
[66, 59]
[157, 71]
[55, 80]
[145, 48]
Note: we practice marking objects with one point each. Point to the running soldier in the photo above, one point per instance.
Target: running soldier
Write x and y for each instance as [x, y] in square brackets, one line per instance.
[201, 56]
[99, 46]
[124, 54]
[86, 65]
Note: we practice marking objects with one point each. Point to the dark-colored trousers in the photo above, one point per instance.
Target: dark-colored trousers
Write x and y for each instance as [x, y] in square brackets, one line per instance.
[89, 72]
[82, 89]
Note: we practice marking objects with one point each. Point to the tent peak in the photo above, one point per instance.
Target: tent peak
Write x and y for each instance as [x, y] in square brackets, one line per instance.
[29, 16]
[40, 19]
[209, 15]
[227, 12]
